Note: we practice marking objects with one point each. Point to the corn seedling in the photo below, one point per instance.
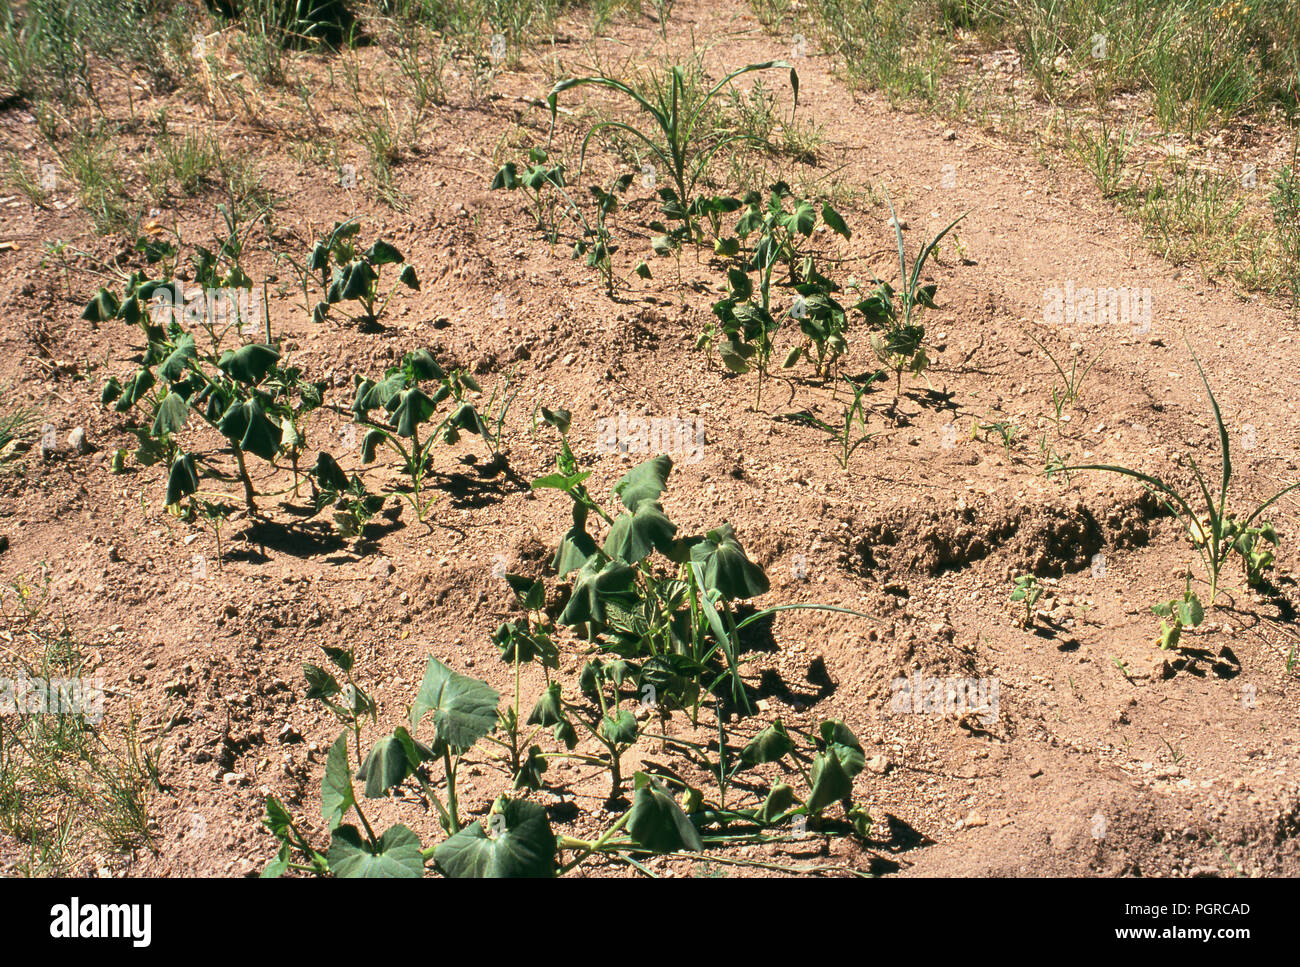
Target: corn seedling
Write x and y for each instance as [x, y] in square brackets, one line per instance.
[1217, 532]
[900, 342]
[679, 142]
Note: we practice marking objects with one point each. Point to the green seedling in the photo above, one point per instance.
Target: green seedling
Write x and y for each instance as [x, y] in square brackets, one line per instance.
[1053, 462]
[516, 839]
[539, 182]
[1175, 615]
[353, 505]
[678, 140]
[1071, 385]
[900, 340]
[401, 397]
[1216, 533]
[348, 274]
[1028, 590]
[769, 238]
[347, 701]
[854, 413]
[1004, 430]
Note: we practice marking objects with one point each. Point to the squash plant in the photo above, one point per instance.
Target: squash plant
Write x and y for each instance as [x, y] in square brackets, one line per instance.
[666, 814]
[401, 396]
[779, 255]
[347, 273]
[242, 391]
[592, 236]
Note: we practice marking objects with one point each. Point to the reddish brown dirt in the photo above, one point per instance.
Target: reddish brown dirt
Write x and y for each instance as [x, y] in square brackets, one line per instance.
[1182, 766]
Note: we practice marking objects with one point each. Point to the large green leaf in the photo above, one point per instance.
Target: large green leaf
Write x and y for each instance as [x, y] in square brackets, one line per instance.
[248, 427]
[183, 479]
[463, 709]
[838, 739]
[336, 795]
[596, 582]
[726, 568]
[576, 546]
[779, 800]
[102, 307]
[171, 415]
[549, 709]
[249, 364]
[619, 727]
[397, 855]
[385, 766]
[522, 845]
[771, 744]
[634, 535]
[383, 253]
[645, 481]
[830, 782]
[177, 361]
[413, 408]
[657, 822]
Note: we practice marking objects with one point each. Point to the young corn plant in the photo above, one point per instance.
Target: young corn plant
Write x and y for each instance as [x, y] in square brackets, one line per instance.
[1071, 385]
[900, 341]
[854, 413]
[1219, 531]
[679, 138]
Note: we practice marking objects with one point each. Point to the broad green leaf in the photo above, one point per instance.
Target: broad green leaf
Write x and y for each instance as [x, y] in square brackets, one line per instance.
[595, 582]
[384, 767]
[248, 427]
[463, 709]
[549, 709]
[103, 307]
[329, 475]
[657, 822]
[414, 407]
[249, 364]
[633, 536]
[174, 366]
[833, 219]
[841, 741]
[778, 802]
[336, 795]
[183, 479]
[171, 415]
[383, 253]
[726, 568]
[522, 845]
[619, 728]
[645, 481]
[830, 782]
[771, 744]
[397, 855]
